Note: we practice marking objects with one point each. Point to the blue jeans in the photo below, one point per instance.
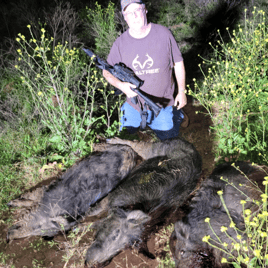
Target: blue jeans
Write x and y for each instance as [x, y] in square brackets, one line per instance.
[166, 125]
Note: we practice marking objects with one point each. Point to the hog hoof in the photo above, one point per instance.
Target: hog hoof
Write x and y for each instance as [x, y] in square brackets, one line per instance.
[12, 232]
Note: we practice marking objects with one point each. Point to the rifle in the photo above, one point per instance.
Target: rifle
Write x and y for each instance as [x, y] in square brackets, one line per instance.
[125, 74]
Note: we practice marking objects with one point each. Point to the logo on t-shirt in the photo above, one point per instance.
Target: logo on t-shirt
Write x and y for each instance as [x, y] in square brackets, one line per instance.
[147, 64]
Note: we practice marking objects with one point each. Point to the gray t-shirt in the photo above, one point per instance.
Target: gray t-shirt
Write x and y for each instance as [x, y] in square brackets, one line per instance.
[152, 58]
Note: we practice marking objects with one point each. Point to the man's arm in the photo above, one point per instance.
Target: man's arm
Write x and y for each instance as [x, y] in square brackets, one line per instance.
[125, 87]
[181, 99]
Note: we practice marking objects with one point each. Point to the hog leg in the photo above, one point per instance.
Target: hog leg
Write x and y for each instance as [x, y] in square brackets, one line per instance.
[28, 199]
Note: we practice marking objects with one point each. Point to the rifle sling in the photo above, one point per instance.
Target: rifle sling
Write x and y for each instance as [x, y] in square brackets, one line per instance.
[144, 116]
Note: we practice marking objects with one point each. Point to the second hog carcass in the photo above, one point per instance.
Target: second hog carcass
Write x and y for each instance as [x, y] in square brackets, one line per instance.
[188, 249]
[62, 204]
[149, 193]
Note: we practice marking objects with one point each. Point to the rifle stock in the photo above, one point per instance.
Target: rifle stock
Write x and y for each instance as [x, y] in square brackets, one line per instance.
[154, 107]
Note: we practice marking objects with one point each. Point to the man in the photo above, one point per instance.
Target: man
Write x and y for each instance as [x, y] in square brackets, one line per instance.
[150, 50]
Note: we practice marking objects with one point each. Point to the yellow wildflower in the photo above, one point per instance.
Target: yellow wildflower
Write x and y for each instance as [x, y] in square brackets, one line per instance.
[207, 220]
[206, 238]
[264, 196]
[237, 246]
[246, 260]
[232, 224]
[257, 253]
[224, 229]
[247, 211]
[263, 234]
[223, 260]
[245, 248]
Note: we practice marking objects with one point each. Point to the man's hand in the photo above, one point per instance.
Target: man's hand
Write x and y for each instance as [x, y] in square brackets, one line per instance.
[180, 100]
[127, 89]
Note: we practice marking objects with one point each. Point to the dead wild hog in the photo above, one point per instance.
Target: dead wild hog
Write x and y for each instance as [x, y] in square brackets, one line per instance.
[119, 230]
[65, 201]
[152, 190]
[186, 241]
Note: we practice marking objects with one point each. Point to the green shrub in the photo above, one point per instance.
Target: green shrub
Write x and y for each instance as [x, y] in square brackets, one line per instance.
[103, 27]
[234, 91]
[16, 106]
[69, 94]
[10, 187]
[24, 151]
[171, 13]
[21, 143]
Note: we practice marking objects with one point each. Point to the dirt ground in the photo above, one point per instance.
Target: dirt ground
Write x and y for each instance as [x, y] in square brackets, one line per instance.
[64, 251]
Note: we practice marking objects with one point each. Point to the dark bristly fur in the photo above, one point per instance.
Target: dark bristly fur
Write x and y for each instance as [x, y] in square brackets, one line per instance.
[160, 184]
[67, 199]
[186, 241]
[149, 191]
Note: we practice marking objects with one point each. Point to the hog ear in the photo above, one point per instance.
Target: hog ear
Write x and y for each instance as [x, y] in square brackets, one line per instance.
[182, 230]
[118, 212]
[137, 217]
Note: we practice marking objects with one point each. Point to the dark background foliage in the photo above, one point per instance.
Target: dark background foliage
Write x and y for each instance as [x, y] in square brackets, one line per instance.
[194, 23]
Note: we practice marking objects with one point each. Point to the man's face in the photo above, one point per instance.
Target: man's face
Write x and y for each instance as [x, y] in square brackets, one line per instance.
[135, 16]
